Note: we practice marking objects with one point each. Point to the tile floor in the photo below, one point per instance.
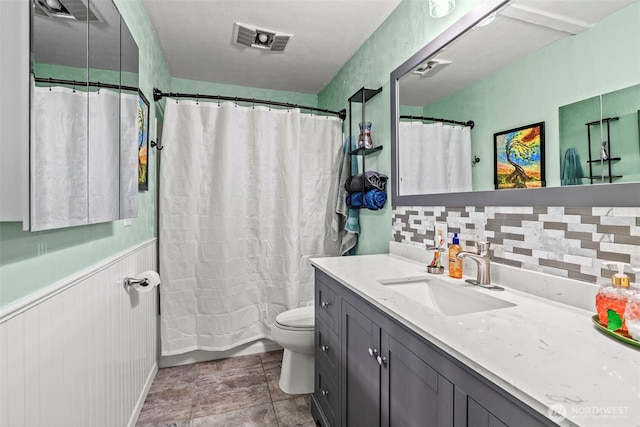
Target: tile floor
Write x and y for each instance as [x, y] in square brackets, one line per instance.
[234, 392]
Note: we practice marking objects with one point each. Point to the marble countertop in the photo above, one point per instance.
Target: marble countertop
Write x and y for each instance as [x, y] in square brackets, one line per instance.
[546, 353]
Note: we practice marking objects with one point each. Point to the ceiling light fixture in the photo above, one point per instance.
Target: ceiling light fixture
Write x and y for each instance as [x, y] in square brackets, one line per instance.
[440, 8]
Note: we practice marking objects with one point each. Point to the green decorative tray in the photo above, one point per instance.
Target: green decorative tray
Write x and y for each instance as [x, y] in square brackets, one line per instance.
[622, 336]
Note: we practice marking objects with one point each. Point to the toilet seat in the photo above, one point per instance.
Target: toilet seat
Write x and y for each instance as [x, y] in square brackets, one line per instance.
[298, 319]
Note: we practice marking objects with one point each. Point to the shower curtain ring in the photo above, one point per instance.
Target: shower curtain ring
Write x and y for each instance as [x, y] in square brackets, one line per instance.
[49, 84]
[235, 102]
[74, 86]
[218, 100]
[98, 91]
[197, 96]
[253, 104]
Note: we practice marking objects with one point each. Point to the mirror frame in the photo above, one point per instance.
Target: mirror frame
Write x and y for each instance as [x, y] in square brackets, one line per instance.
[611, 195]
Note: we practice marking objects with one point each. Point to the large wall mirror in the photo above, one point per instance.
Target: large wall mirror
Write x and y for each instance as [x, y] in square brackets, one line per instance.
[522, 103]
[83, 150]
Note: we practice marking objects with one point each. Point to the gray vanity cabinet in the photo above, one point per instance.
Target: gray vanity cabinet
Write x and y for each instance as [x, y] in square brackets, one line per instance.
[385, 382]
[373, 371]
[413, 393]
[360, 368]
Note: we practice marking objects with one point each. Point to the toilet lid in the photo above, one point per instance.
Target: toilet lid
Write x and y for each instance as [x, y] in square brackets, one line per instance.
[298, 318]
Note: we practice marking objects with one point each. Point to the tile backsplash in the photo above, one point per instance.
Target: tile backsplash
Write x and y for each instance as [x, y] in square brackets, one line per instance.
[563, 241]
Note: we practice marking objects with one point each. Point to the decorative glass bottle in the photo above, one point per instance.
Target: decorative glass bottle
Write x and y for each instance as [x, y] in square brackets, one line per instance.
[364, 139]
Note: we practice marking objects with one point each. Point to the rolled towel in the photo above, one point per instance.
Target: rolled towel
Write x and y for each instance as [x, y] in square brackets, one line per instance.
[372, 199]
[355, 200]
[375, 199]
[370, 180]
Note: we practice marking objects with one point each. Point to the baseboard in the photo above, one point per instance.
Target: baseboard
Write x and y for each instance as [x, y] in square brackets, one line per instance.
[143, 396]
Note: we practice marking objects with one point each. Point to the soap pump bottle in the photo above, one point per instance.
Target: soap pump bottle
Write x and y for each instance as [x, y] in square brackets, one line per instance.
[613, 296]
[455, 264]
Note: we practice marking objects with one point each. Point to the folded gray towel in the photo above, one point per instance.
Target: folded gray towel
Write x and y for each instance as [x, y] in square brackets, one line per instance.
[364, 182]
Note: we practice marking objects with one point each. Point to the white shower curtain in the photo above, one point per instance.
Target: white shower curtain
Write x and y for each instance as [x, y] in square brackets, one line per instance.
[434, 158]
[245, 202]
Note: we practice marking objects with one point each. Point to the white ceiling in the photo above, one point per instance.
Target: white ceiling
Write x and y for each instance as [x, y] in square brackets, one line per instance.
[519, 29]
[196, 38]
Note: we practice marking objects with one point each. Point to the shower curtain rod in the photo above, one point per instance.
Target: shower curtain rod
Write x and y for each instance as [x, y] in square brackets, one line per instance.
[158, 95]
[81, 83]
[469, 123]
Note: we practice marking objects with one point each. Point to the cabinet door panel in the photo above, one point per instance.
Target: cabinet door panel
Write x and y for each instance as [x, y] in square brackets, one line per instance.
[327, 351]
[327, 395]
[477, 416]
[327, 303]
[415, 393]
[361, 375]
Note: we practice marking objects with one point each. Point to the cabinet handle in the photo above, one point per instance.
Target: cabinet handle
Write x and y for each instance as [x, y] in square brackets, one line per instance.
[324, 304]
[382, 361]
[325, 392]
[373, 352]
[324, 348]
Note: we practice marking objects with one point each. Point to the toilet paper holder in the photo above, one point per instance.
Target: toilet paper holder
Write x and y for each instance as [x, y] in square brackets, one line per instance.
[132, 281]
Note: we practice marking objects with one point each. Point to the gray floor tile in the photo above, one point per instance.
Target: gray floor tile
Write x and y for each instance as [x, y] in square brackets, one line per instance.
[239, 391]
[293, 412]
[254, 416]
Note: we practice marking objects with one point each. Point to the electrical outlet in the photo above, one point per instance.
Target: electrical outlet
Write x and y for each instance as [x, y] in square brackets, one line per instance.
[440, 229]
[127, 222]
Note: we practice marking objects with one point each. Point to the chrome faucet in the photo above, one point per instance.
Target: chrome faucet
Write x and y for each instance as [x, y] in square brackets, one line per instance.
[483, 259]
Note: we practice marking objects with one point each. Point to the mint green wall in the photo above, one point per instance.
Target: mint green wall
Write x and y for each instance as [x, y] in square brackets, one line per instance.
[402, 34]
[192, 86]
[30, 262]
[600, 60]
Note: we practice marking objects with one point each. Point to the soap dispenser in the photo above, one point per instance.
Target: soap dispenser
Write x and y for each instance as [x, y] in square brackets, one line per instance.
[614, 296]
[455, 264]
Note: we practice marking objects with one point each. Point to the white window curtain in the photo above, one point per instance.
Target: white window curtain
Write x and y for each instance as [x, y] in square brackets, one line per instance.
[434, 158]
[245, 202]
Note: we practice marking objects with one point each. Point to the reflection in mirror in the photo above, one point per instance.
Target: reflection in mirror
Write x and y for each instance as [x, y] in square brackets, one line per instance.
[104, 112]
[58, 153]
[128, 124]
[82, 56]
[516, 68]
[599, 139]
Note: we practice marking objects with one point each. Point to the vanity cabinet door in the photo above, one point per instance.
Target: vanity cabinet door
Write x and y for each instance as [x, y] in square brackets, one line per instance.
[477, 416]
[361, 371]
[413, 393]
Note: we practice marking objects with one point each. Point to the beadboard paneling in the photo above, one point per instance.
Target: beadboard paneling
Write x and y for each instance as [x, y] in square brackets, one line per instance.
[83, 354]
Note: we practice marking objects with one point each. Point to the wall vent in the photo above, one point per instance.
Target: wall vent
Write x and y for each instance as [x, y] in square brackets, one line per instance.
[67, 9]
[250, 36]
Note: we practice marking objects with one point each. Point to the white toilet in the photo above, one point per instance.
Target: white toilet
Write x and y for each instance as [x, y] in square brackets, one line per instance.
[294, 331]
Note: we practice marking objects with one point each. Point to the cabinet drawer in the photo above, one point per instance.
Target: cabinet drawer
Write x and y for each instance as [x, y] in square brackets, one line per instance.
[327, 352]
[327, 306]
[326, 393]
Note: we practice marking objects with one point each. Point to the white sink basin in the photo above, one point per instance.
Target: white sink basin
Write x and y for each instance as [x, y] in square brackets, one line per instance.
[446, 298]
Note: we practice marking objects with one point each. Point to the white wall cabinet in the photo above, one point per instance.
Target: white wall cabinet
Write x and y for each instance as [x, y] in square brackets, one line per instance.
[69, 115]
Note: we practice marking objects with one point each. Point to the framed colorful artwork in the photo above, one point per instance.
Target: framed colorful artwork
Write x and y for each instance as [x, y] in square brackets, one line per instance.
[519, 157]
[143, 142]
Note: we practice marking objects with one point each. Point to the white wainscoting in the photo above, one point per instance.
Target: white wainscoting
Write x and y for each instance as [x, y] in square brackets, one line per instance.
[84, 351]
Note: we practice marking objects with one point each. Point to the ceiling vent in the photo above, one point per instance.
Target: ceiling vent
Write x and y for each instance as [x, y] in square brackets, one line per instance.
[272, 41]
[431, 67]
[68, 9]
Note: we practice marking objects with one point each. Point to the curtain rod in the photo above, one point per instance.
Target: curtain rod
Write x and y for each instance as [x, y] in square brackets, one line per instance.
[469, 123]
[81, 83]
[158, 95]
